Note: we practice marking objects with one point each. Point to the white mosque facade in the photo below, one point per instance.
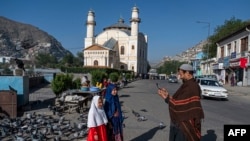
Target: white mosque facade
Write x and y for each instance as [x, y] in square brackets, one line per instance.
[118, 46]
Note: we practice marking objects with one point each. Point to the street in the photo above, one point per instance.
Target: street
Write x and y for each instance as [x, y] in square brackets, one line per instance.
[141, 97]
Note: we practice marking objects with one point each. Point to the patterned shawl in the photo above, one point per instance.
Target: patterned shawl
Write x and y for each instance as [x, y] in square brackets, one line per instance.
[186, 110]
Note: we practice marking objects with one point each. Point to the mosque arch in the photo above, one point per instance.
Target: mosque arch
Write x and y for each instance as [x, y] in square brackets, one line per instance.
[122, 67]
[95, 63]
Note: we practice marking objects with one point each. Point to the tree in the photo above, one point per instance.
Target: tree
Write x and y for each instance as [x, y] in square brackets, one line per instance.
[169, 67]
[68, 60]
[62, 82]
[45, 60]
[78, 60]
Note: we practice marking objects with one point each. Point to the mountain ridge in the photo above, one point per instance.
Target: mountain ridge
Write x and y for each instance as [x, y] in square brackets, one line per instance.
[14, 35]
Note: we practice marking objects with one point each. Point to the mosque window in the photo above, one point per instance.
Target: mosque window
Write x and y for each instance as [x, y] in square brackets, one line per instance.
[95, 63]
[132, 67]
[122, 50]
[133, 47]
[122, 67]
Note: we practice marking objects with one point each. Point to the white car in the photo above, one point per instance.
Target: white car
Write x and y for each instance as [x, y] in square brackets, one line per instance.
[212, 88]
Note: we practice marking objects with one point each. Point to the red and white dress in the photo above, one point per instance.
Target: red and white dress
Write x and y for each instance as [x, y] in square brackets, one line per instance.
[97, 122]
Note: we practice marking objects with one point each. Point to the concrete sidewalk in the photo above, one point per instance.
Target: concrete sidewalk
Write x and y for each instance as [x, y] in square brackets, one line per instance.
[245, 90]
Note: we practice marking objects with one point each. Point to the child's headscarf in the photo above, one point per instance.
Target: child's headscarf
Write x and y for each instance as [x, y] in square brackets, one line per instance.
[112, 104]
[96, 116]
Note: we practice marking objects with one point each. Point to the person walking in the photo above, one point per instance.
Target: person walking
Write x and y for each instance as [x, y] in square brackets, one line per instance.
[185, 108]
[105, 85]
[97, 121]
[226, 78]
[113, 111]
[232, 80]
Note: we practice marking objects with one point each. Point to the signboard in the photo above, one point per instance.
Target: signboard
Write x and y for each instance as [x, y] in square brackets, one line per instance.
[233, 55]
[226, 62]
[218, 66]
[235, 64]
[215, 66]
[241, 62]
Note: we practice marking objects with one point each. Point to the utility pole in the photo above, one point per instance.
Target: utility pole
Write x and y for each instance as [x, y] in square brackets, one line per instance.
[208, 34]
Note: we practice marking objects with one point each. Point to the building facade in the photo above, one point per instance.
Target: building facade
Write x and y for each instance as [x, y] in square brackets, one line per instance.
[233, 54]
[118, 46]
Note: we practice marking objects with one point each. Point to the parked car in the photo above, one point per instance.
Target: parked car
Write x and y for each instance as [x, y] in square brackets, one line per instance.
[172, 79]
[206, 76]
[212, 88]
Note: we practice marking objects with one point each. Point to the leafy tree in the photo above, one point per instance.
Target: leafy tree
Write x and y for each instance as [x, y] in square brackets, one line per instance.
[62, 82]
[45, 60]
[78, 60]
[114, 76]
[68, 60]
[7, 71]
[77, 83]
[79, 55]
[97, 75]
[169, 67]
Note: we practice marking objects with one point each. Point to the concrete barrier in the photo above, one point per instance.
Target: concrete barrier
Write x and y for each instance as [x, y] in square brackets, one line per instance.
[20, 84]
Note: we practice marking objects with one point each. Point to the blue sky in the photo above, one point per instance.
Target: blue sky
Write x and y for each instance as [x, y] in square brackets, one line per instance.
[170, 25]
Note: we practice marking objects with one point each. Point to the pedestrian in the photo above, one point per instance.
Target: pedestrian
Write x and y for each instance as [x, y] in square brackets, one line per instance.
[235, 80]
[99, 84]
[113, 111]
[97, 121]
[105, 82]
[85, 81]
[232, 80]
[226, 78]
[105, 85]
[185, 107]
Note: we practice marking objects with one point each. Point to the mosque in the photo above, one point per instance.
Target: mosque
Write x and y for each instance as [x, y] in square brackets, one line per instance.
[118, 46]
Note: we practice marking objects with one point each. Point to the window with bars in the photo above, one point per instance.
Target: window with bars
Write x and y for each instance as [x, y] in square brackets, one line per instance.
[222, 52]
[228, 49]
[244, 44]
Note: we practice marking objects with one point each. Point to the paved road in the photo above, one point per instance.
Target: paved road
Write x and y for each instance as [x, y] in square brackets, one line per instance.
[141, 95]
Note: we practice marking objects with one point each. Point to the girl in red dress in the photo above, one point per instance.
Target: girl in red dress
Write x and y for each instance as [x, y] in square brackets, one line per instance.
[97, 121]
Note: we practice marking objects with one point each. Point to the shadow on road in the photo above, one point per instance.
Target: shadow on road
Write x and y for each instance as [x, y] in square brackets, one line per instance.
[210, 136]
[124, 95]
[147, 136]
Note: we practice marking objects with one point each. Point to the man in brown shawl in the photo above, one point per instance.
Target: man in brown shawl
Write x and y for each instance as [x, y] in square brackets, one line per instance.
[185, 107]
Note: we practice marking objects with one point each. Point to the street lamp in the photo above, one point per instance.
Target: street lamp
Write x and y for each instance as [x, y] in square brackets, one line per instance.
[208, 34]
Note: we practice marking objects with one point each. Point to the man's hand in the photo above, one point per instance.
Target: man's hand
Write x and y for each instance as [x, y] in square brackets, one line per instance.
[163, 93]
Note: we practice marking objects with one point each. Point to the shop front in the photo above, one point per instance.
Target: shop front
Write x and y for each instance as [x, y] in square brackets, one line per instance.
[239, 71]
[219, 72]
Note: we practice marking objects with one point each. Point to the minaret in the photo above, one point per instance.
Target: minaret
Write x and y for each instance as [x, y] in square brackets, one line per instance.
[135, 20]
[89, 40]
